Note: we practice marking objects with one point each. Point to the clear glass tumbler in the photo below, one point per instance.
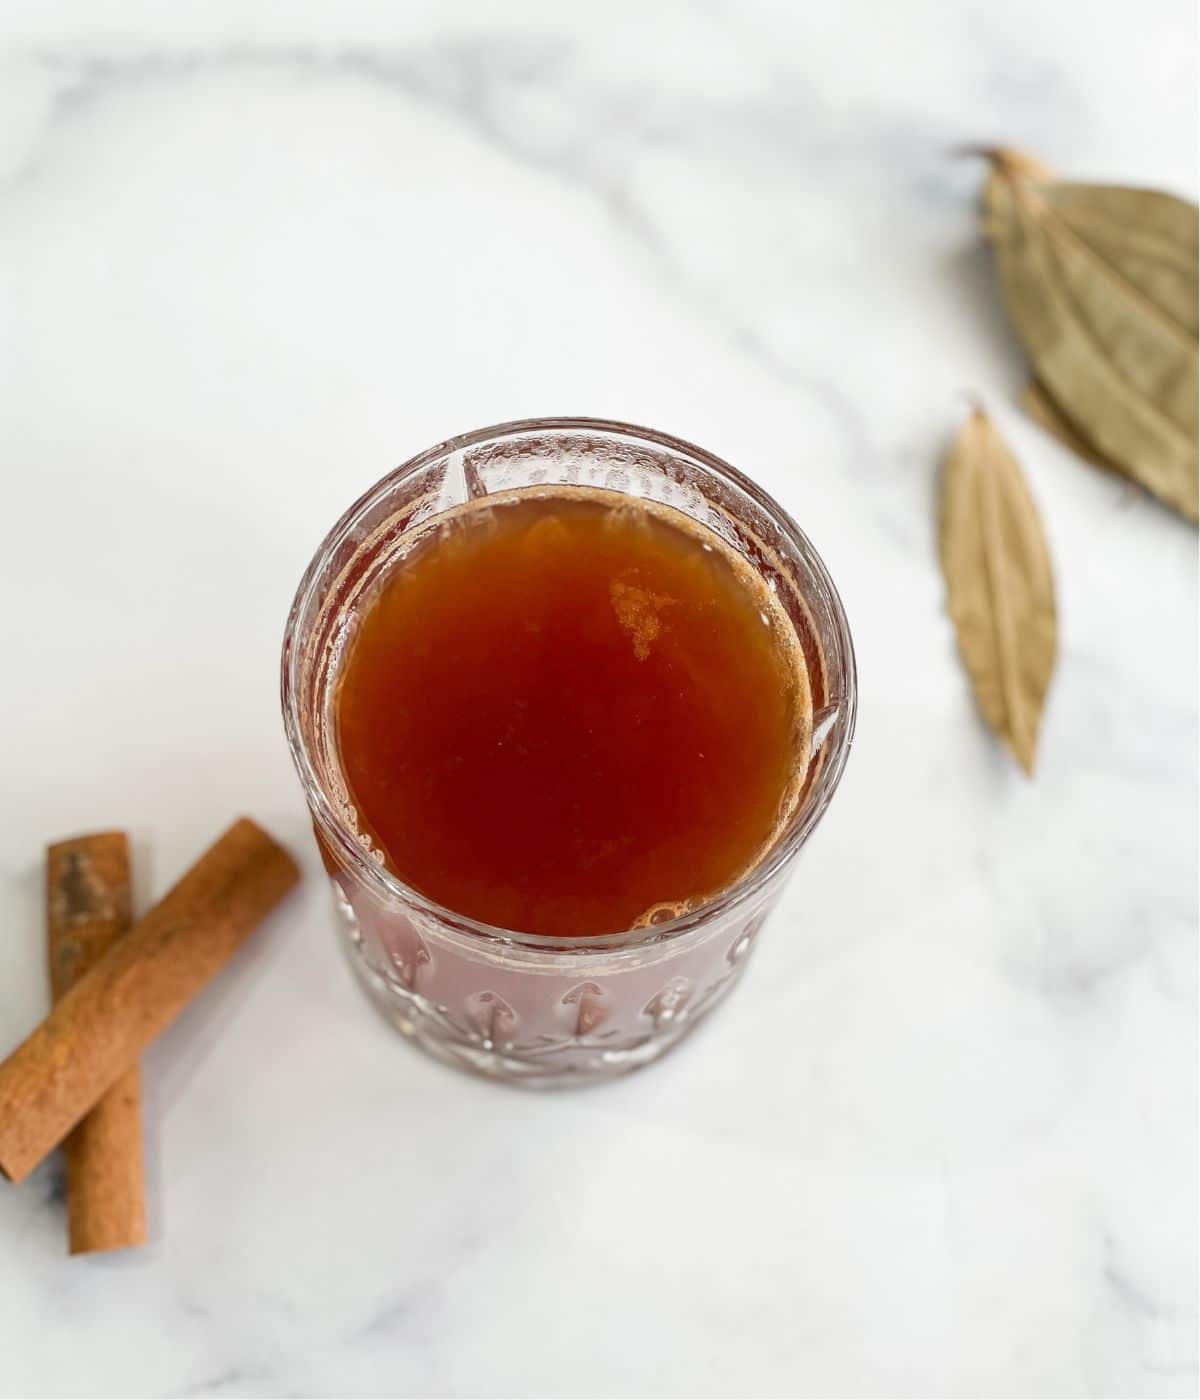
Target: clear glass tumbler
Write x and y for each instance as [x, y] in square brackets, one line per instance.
[515, 1006]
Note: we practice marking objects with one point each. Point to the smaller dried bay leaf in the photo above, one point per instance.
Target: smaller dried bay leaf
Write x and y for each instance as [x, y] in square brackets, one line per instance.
[999, 582]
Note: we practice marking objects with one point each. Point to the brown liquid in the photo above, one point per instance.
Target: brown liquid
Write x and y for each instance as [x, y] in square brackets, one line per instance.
[566, 713]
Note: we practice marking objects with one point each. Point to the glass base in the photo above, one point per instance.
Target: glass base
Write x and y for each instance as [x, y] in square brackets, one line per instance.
[563, 1063]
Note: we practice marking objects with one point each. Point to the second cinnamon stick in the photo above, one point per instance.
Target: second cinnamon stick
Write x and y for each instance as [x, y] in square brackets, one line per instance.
[104, 1022]
[87, 910]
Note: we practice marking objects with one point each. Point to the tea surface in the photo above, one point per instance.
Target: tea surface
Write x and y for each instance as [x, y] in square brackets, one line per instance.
[566, 713]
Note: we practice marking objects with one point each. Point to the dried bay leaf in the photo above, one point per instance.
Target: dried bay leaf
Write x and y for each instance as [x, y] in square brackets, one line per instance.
[1149, 237]
[1101, 285]
[1000, 583]
[1043, 410]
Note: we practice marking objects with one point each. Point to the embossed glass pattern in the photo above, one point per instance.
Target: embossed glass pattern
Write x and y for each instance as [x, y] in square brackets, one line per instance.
[518, 1006]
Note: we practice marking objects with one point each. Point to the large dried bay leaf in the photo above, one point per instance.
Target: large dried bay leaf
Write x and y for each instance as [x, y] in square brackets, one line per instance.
[1000, 583]
[1043, 410]
[1101, 285]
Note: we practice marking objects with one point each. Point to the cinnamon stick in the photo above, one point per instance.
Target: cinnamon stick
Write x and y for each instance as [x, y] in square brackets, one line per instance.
[87, 910]
[134, 991]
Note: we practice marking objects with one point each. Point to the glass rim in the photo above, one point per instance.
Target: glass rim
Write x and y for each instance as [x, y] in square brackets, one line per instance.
[345, 840]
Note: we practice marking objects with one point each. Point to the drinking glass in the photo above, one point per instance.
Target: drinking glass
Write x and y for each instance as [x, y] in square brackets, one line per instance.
[522, 1007]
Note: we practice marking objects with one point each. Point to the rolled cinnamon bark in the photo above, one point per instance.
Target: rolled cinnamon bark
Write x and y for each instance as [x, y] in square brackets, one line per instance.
[87, 910]
[134, 991]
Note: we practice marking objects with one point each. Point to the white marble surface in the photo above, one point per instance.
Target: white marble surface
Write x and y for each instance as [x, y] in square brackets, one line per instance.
[943, 1140]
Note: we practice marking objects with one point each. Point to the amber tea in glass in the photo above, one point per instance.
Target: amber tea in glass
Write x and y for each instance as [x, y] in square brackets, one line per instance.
[568, 712]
